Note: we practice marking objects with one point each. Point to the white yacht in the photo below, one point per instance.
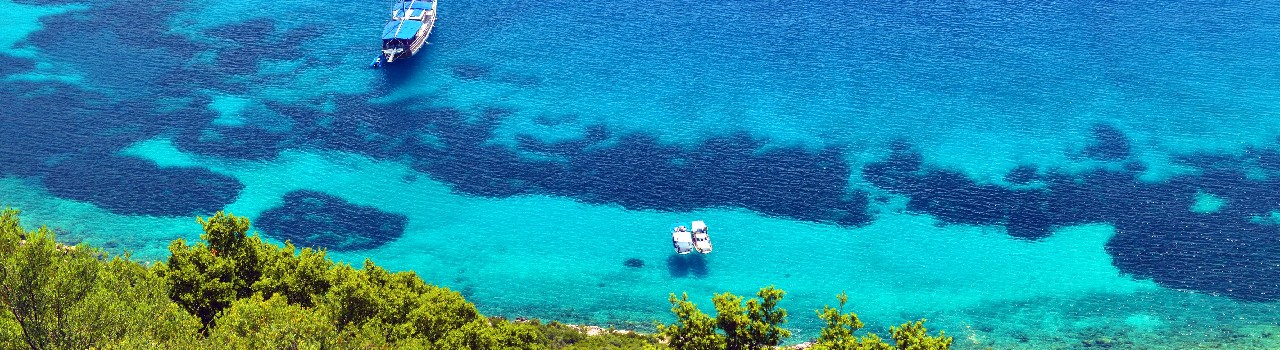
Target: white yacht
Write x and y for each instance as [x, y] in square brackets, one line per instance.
[701, 240]
[410, 25]
[682, 239]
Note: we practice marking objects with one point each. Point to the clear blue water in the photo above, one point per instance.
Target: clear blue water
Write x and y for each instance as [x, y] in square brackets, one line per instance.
[1024, 175]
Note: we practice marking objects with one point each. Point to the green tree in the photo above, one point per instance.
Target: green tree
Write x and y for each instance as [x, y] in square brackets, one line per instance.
[130, 308]
[438, 311]
[914, 336]
[838, 333]
[42, 285]
[254, 323]
[493, 334]
[297, 275]
[755, 325]
[400, 304]
[207, 278]
[731, 318]
[765, 329]
[10, 332]
[76, 297]
[758, 325]
[380, 307]
[693, 330]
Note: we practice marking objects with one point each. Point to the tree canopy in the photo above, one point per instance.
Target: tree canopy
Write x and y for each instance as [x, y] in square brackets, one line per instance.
[758, 325]
[838, 333]
[231, 290]
[64, 297]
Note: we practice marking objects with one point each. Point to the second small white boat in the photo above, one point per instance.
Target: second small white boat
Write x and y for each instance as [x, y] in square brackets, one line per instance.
[701, 240]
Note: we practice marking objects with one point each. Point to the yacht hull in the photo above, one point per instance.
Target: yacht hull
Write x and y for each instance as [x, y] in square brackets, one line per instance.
[407, 31]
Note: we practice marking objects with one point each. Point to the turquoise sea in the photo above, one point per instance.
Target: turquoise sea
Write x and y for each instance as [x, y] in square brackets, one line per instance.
[1026, 175]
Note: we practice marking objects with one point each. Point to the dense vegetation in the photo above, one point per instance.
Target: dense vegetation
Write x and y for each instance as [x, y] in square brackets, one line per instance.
[758, 325]
[232, 290]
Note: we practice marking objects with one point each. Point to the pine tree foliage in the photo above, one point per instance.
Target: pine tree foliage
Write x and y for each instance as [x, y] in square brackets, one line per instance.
[914, 336]
[255, 323]
[839, 329]
[62, 297]
[693, 330]
[757, 325]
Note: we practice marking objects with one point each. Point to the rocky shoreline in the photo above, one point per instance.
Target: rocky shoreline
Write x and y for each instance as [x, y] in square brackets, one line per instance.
[1260, 337]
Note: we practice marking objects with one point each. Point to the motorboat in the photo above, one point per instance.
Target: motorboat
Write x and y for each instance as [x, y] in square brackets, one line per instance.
[682, 239]
[701, 240]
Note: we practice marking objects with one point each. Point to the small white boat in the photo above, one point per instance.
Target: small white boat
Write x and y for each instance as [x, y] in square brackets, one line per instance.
[682, 239]
[701, 240]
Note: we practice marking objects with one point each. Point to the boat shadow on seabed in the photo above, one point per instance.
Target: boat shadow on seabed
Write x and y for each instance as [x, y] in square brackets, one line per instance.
[401, 72]
[681, 266]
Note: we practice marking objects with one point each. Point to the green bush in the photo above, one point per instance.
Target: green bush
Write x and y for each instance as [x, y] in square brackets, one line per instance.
[60, 297]
[254, 323]
[758, 326]
[838, 334]
[693, 330]
[493, 334]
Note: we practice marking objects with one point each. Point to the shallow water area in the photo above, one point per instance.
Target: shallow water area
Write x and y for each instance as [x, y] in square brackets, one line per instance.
[524, 252]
